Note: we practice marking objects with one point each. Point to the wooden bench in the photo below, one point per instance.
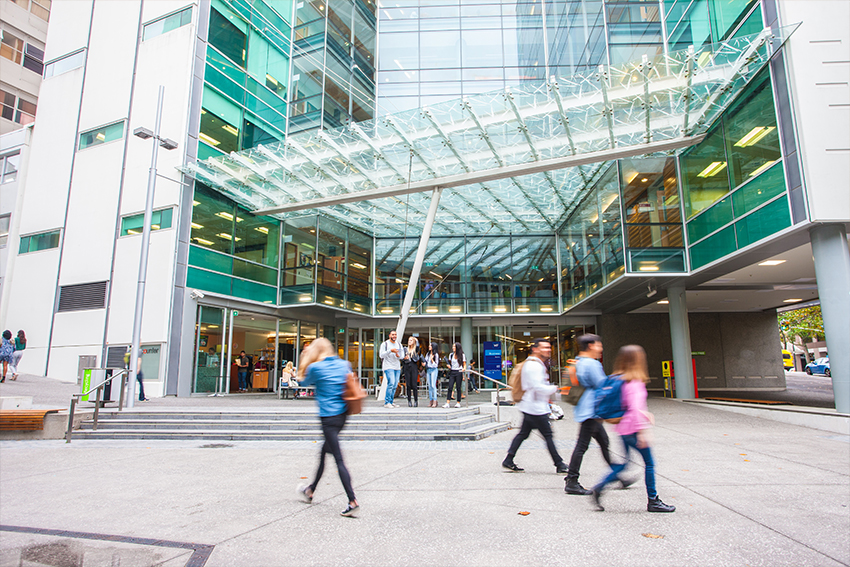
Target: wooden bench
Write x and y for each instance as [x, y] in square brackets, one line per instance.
[23, 420]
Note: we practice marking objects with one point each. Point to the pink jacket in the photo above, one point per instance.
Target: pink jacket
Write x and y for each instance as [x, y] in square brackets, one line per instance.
[633, 395]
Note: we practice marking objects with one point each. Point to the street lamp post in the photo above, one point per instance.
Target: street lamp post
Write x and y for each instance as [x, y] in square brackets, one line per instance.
[144, 134]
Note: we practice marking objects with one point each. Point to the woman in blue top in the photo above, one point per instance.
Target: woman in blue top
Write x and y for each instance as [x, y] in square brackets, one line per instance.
[7, 347]
[432, 363]
[320, 366]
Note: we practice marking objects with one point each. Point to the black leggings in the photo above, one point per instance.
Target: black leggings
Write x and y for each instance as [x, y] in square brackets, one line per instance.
[455, 377]
[411, 373]
[589, 428]
[331, 426]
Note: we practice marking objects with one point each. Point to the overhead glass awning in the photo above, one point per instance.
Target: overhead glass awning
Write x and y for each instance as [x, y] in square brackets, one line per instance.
[511, 161]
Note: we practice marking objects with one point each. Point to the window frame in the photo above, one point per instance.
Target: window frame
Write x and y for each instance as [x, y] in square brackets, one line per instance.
[4, 236]
[49, 67]
[4, 162]
[27, 238]
[178, 12]
[80, 135]
[122, 234]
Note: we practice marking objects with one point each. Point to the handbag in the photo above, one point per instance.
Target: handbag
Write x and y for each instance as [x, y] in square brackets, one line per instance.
[353, 395]
[576, 389]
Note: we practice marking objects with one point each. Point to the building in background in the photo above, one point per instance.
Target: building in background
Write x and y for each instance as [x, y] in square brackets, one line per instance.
[278, 102]
[23, 25]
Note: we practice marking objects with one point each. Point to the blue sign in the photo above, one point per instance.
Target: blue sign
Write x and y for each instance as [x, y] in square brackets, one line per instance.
[493, 360]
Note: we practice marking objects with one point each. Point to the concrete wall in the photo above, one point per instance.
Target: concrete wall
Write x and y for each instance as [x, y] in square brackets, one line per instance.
[741, 349]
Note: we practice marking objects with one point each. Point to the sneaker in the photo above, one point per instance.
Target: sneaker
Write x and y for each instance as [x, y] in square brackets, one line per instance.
[302, 493]
[389, 406]
[595, 495]
[511, 466]
[457, 405]
[562, 469]
[627, 482]
[448, 405]
[350, 511]
[656, 505]
[573, 487]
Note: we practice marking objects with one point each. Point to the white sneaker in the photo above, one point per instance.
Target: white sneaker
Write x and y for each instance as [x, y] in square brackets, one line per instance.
[389, 406]
[457, 405]
[448, 405]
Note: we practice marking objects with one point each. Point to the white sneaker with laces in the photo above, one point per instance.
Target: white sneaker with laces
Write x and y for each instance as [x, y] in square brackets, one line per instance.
[457, 405]
[389, 406]
[448, 405]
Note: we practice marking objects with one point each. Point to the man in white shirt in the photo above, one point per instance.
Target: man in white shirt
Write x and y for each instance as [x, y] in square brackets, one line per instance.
[391, 354]
[535, 405]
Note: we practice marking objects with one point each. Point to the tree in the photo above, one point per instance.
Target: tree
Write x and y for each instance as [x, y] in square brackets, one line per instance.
[806, 323]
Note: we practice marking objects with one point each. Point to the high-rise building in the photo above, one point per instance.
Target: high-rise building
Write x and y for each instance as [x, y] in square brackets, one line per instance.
[659, 172]
[23, 25]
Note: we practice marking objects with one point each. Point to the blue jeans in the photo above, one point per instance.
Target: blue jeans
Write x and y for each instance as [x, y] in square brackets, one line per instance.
[392, 383]
[630, 442]
[243, 380]
[432, 383]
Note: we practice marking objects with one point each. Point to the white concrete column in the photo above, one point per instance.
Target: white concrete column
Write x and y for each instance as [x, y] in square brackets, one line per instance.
[832, 268]
[680, 335]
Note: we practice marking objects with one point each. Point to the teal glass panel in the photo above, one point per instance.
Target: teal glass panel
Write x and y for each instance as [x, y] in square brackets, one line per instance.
[102, 135]
[760, 190]
[225, 36]
[205, 151]
[712, 219]
[704, 173]
[212, 220]
[725, 15]
[37, 242]
[753, 24]
[766, 221]
[656, 260]
[267, 63]
[208, 281]
[692, 27]
[159, 220]
[752, 139]
[714, 247]
[254, 291]
[254, 272]
[210, 260]
[167, 24]
[257, 239]
[296, 294]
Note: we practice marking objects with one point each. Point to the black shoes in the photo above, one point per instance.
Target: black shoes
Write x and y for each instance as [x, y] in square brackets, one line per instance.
[350, 511]
[595, 495]
[409, 404]
[573, 487]
[562, 469]
[511, 466]
[656, 505]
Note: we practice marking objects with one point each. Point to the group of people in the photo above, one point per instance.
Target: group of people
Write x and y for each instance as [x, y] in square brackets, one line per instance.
[410, 362]
[11, 352]
[633, 427]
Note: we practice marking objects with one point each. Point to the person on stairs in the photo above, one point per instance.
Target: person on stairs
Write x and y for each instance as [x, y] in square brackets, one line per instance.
[410, 370]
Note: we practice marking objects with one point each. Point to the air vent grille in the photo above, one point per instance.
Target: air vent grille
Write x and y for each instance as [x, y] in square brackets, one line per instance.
[80, 297]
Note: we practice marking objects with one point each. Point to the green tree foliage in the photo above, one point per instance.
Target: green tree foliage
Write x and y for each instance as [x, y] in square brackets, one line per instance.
[806, 323]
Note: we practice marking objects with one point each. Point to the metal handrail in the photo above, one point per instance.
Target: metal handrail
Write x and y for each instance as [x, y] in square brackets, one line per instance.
[99, 389]
[498, 390]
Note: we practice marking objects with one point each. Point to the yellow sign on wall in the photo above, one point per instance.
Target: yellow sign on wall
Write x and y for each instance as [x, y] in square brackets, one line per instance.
[666, 368]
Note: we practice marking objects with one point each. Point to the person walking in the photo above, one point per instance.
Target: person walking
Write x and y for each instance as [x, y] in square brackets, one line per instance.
[7, 348]
[391, 355]
[457, 365]
[633, 427]
[410, 370]
[242, 370]
[20, 344]
[432, 363]
[535, 405]
[320, 366]
[139, 376]
[590, 375]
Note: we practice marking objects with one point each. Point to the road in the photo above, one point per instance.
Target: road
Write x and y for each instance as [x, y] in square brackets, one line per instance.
[801, 390]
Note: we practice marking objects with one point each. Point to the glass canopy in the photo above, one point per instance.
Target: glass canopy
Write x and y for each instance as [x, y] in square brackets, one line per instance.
[511, 161]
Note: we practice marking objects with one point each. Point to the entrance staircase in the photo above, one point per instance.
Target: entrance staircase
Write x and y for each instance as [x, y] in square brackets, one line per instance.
[402, 424]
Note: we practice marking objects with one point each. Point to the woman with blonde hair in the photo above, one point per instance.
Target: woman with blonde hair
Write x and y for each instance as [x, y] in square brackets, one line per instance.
[633, 428]
[320, 366]
[410, 370]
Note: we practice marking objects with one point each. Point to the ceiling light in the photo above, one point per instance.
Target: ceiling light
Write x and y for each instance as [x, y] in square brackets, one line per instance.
[762, 167]
[262, 229]
[648, 268]
[211, 141]
[433, 274]
[305, 298]
[224, 215]
[100, 136]
[386, 310]
[772, 262]
[796, 299]
[431, 310]
[545, 309]
[663, 302]
[399, 281]
[197, 226]
[454, 309]
[195, 203]
[224, 235]
[359, 265]
[644, 180]
[713, 169]
[753, 136]
[329, 302]
[500, 309]
[203, 241]
[357, 308]
[522, 309]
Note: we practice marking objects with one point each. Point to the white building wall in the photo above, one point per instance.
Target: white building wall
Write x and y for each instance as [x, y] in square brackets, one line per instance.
[818, 56]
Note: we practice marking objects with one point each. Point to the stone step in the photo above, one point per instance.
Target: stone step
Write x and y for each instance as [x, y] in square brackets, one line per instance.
[373, 424]
[401, 414]
[474, 433]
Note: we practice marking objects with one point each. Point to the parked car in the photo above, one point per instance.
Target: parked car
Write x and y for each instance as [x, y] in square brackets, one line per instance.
[819, 366]
[787, 360]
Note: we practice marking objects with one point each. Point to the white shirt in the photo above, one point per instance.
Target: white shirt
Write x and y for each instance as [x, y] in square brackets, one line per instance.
[538, 390]
[389, 359]
[454, 364]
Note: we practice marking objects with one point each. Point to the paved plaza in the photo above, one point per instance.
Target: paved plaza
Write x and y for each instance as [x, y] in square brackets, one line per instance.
[748, 491]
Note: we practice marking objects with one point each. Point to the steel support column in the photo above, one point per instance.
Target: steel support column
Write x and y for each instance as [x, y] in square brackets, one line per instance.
[832, 268]
[680, 335]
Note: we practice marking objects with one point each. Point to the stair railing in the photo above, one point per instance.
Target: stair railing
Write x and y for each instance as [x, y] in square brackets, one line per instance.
[99, 392]
[499, 387]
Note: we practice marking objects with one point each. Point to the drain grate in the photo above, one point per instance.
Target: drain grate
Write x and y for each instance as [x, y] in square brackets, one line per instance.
[216, 446]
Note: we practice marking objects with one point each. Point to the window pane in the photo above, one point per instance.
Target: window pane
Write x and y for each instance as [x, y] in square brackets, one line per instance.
[11, 47]
[218, 132]
[212, 220]
[712, 248]
[257, 239]
[67, 63]
[4, 229]
[11, 170]
[8, 101]
[712, 219]
[760, 190]
[25, 113]
[36, 242]
[764, 222]
[725, 14]
[227, 38]
[705, 177]
[168, 23]
[102, 135]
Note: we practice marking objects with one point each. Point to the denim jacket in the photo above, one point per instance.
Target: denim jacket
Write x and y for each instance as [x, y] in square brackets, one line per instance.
[591, 375]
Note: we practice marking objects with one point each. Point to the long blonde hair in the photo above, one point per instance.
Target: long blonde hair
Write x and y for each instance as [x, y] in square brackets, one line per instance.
[631, 363]
[316, 351]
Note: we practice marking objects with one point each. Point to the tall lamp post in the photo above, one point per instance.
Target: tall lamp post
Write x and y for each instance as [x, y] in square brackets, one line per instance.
[144, 134]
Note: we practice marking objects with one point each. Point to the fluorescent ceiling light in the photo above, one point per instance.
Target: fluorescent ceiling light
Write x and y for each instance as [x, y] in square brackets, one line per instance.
[662, 302]
[399, 281]
[546, 309]
[212, 326]
[230, 129]
[329, 302]
[500, 309]
[357, 309]
[195, 203]
[433, 274]
[386, 310]
[713, 169]
[796, 299]
[762, 167]
[772, 262]
[358, 265]
[131, 231]
[204, 241]
[197, 226]
[262, 229]
[648, 268]
[224, 215]
[431, 310]
[522, 309]
[211, 141]
[154, 227]
[305, 298]
[100, 136]
[454, 309]
[227, 236]
[753, 136]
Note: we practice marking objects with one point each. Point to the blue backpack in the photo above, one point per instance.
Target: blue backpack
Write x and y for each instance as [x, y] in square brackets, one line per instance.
[609, 404]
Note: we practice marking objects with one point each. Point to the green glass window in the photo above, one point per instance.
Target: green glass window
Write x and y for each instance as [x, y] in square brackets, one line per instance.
[208, 281]
[102, 135]
[688, 27]
[159, 220]
[4, 229]
[209, 260]
[36, 242]
[167, 23]
[268, 64]
[714, 247]
[212, 220]
[712, 219]
[766, 221]
[225, 36]
[725, 15]
[760, 190]
[704, 173]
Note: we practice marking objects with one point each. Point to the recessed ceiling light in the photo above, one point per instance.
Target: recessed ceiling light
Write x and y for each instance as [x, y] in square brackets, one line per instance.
[772, 263]
[662, 302]
[644, 180]
[791, 300]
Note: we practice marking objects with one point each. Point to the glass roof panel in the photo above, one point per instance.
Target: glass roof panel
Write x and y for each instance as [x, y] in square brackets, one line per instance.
[483, 148]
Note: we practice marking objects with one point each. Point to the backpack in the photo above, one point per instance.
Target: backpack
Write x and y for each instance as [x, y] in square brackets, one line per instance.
[609, 403]
[515, 382]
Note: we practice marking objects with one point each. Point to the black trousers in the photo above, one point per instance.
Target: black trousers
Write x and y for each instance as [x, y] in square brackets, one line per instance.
[541, 424]
[455, 377]
[411, 373]
[589, 428]
[331, 426]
